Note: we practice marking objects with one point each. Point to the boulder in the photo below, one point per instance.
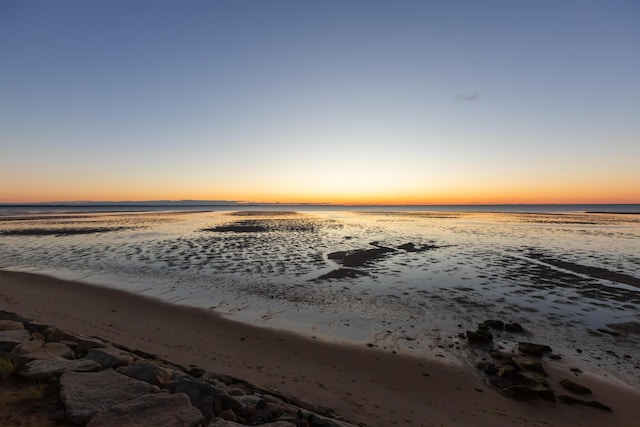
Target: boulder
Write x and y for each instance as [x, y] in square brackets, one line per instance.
[574, 387]
[494, 324]
[39, 350]
[533, 367]
[519, 392]
[513, 327]
[479, 336]
[598, 405]
[10, 325]
[533, 349]
[158, 409]
[220, 422]
[109, 357]
[87, 344]
[85, 393]
[147, 372]
[196, 390]
[52, 333]
[45, 369]
[12, 338]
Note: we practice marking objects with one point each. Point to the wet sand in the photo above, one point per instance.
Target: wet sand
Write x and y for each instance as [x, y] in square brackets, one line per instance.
[364, 385]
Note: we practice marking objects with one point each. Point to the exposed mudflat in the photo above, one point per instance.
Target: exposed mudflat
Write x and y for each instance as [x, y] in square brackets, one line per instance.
[401, 281]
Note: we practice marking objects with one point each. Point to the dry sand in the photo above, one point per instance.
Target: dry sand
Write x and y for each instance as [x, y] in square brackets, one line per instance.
[361, 384]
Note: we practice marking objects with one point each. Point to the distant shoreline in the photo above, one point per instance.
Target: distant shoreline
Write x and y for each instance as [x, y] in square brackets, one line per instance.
[84, 207]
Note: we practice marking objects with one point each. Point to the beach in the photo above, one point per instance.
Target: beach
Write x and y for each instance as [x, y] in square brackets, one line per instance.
[362, 384]
[381, 315]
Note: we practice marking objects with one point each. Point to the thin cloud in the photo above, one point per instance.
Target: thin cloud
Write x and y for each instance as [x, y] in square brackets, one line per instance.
[468, 96]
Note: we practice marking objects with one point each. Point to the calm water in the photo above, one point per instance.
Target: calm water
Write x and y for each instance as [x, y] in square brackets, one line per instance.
[563, 273]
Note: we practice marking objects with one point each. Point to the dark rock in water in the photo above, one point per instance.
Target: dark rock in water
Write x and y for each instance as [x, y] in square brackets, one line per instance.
[495, 324]
[411, 247]
[533, 367]
[513, 327]
[574, 387]
[238, 228]
[598, 405]
[359, 257]
[479, 336]
[533, 349]
[170, 410]
[626, 327]
[85, 393]
[343, 273]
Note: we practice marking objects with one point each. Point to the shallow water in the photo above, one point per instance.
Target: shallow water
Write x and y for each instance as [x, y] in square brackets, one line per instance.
[564, 277]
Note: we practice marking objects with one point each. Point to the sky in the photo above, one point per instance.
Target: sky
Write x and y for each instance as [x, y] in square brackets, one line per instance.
[399, 102]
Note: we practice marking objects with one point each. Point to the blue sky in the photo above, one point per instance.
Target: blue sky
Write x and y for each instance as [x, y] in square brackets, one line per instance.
[492, 101]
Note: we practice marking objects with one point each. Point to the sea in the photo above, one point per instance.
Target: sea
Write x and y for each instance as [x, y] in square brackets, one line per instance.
[408, 279]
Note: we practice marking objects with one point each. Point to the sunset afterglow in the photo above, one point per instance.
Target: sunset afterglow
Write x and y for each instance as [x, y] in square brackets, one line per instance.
[323, 102]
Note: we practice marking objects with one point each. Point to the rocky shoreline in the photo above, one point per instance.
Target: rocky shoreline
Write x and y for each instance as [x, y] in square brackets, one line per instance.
[100, 383]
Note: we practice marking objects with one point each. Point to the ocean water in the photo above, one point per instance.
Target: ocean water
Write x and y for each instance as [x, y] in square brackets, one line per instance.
[403, 279]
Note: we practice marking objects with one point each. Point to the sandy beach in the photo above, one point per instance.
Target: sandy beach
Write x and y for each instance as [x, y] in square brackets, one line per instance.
[364, 385]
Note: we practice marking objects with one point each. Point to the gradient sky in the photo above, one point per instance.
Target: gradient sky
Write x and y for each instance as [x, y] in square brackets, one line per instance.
[324, 101]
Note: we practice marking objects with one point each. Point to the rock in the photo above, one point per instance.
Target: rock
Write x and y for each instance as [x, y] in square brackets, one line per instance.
[342, 273]
[38, 350]
[147, 372]
[569, 400]
[598, 405]
[228, 415]
[219, 422]
[109, 357]
[359, 257]
[532, 379]
[196, 390]
[533, 349]
[87, 344]
[498, 355]
[513, 327]
[85, 393]
[533, 367]
[223, 402]
[52, 333]
[10, 325]
[494, 324]
[10, 339]
[487, 368]
[45, 369]
[508, 371]
[500, 382]
[158, 409]
[205, 406]
[519, 392]
[479, 336]
[574, 387]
